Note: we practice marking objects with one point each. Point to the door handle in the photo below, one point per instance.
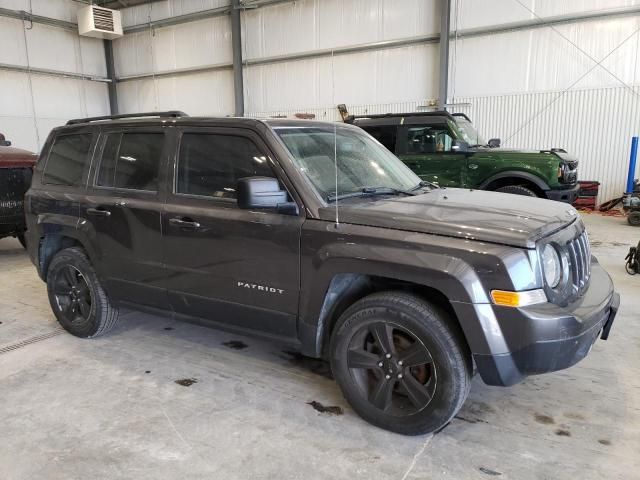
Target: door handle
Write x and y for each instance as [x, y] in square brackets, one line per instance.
[98, 212]
[184, 223]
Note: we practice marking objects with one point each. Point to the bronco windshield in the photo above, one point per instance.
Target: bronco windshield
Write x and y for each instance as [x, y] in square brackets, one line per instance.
[364, 165]
[467, 132]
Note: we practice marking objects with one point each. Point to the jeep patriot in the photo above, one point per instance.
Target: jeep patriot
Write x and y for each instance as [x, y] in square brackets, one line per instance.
[247, 225]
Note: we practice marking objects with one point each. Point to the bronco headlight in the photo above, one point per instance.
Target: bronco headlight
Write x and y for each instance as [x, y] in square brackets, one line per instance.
[551, 266]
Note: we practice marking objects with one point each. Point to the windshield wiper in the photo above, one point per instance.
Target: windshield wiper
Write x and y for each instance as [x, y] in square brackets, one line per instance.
[371, 191]
[423, 184]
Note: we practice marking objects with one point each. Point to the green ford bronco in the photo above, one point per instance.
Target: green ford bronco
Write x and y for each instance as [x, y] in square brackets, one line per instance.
[446, 149]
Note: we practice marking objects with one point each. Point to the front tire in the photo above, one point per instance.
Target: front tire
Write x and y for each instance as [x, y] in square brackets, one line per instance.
[517, 190]
[400, 364]
[77, 299]
[633, 219]
[22, 240]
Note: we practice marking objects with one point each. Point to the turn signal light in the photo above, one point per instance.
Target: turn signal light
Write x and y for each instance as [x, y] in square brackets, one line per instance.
[518, 299]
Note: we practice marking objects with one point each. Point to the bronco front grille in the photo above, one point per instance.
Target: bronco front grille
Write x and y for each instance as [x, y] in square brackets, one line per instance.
[579, 252]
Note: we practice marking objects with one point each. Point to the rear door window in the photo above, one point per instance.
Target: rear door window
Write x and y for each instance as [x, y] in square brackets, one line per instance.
[67, 159]
[131, 161]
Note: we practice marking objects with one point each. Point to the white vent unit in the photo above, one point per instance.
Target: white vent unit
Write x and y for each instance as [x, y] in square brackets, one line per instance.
[99, 22]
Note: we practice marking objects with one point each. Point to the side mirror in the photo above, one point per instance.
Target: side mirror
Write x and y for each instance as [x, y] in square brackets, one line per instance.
[494, 142]
[459, 146]
[263, 192]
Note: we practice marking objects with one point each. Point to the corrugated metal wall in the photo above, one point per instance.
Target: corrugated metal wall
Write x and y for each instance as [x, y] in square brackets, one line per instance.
[53, 99]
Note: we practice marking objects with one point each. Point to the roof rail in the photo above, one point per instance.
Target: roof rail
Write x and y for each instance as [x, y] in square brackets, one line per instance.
[168, 114]
[351, 118]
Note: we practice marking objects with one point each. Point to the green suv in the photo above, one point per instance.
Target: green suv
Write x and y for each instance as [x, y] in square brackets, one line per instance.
[446, 149]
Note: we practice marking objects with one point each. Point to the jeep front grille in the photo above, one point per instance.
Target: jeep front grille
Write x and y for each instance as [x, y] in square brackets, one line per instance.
[14, 182]
[579, 252]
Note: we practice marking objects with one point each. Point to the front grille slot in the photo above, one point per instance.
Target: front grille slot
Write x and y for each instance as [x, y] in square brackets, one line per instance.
[579, 252]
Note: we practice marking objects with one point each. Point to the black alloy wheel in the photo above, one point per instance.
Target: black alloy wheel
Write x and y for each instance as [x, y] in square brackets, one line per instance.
[76, 295]
[401, 362]
[72, 294]
[393, 368]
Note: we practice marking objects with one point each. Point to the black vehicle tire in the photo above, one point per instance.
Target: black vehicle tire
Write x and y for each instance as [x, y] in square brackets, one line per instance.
[77, 299]
[634, 219]
[22, 240]
[517, 190]
[631, 267]
[414, 396]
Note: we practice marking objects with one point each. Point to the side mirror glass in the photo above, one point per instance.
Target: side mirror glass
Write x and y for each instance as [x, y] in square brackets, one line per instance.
[494, 142]
[263, 192]
[459, 146]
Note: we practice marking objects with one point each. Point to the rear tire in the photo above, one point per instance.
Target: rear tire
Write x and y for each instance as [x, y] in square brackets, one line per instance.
[426, 369]
[77, 299]
[517, 190]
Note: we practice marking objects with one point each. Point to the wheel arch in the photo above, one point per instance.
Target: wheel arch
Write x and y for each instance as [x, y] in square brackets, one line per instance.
[53, 240]
[346, 288]
[514, 177]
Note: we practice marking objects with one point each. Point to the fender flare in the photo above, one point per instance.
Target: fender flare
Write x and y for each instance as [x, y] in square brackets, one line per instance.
[537, 181]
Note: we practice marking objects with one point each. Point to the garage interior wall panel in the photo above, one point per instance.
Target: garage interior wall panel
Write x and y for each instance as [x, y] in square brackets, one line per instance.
[541, 59]
[308, 25]
[195, 44]
[201, 94]
[161, 10]
[55, 99]
[386, 76]
[59, 9]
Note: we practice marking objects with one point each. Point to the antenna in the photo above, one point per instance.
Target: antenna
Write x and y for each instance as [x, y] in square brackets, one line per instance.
[335, 138]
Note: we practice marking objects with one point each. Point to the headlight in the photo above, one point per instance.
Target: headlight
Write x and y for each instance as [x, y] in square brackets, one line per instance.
[551, 266]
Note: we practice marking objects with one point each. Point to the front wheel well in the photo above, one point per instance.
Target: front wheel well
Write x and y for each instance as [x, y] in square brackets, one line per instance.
[346, 289]
[519, 181]
[50, 245]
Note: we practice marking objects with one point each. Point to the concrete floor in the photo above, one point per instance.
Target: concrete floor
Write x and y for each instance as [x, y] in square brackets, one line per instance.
[111, 407]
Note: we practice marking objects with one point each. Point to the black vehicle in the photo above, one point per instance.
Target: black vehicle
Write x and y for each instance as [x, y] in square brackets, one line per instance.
[245, 225]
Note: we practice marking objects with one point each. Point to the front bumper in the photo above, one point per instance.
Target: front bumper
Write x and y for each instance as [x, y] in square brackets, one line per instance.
[567, 195]
[545, 338]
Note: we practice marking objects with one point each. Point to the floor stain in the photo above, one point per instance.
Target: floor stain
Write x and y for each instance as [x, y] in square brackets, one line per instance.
[488, 471]
[314, 365]
[544, 419]
[563, 433]
[470, 420]
[332, 409]
[147, 371]
[574, 416]
[604, 441]
[186, 382]
[235, 344]
[168, 328]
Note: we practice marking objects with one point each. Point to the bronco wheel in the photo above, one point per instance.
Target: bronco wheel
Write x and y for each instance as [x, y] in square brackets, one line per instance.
[76, 296]
[517, 190]
[634, 219]
[400, 363]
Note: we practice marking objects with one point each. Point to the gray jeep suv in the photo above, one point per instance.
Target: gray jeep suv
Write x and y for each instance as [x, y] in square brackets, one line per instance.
[315, 235]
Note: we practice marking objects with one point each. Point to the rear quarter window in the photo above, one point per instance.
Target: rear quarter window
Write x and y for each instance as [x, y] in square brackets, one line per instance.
[67, 159]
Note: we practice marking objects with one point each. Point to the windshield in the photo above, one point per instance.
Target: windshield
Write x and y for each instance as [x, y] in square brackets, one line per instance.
[363, 163]
[467, 132]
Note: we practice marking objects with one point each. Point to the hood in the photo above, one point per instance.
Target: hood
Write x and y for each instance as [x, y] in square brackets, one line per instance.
[558, 152]
[11, 157]
[471, 214]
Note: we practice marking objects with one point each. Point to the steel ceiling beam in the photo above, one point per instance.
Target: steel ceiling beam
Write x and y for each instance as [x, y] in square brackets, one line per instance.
[52, 73]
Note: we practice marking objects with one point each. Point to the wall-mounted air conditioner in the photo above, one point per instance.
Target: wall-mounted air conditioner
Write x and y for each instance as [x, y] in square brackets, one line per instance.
[99, 22]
